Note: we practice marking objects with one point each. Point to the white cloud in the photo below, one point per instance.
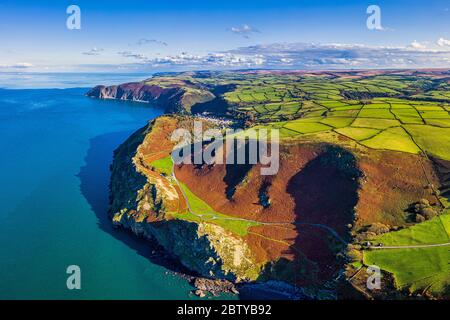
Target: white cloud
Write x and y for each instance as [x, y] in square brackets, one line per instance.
[417, 45]
[346, 56]
[129, 54]
[244, 30]
[93, 52]
[443, 42]
[144, 41]
[20, 65]
[209, 60]
[306, 56]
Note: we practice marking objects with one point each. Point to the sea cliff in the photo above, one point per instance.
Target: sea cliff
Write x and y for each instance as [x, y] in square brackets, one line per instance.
[172, 98]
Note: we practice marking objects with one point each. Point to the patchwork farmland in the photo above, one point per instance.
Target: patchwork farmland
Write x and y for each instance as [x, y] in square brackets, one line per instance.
[368, 111]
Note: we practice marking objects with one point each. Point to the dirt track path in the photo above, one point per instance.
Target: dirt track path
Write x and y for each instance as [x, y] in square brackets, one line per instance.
[419, 246]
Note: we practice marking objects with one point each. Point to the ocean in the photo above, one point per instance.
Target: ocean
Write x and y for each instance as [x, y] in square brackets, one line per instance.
[56, 147]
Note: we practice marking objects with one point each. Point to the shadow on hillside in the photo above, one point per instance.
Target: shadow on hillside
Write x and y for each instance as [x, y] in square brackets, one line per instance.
[94, 185]
[442, 169]
[325, 192]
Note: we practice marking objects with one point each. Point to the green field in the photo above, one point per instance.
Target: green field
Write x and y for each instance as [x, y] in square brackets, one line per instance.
[416, 268]
[435, 140]
[392, 139]
[163, 165]
[436, 230]
[201, 211]
[358, 134]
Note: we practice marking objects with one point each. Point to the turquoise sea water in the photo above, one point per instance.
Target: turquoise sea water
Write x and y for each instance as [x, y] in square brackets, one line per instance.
[56, 146]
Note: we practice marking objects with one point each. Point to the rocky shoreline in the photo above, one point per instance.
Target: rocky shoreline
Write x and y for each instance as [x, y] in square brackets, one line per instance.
[207, 287]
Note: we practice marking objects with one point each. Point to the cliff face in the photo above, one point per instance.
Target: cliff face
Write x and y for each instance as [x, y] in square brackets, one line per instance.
[172, 99]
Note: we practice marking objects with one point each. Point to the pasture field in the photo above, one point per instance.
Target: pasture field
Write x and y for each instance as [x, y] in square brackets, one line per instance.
[358, 134]
[381, 124]
[392, 139]
[433, 139]
[434, 231]
[416, 268]
[200, 211]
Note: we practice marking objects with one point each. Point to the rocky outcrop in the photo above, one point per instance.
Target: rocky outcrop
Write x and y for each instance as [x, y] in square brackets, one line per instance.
[173, 99]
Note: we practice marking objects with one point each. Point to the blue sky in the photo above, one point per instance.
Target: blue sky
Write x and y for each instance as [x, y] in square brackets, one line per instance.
[147, 35]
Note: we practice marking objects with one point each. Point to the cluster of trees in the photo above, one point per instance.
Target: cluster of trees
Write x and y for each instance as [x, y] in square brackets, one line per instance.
[423, 211]
[372, 231]
[354, 253]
